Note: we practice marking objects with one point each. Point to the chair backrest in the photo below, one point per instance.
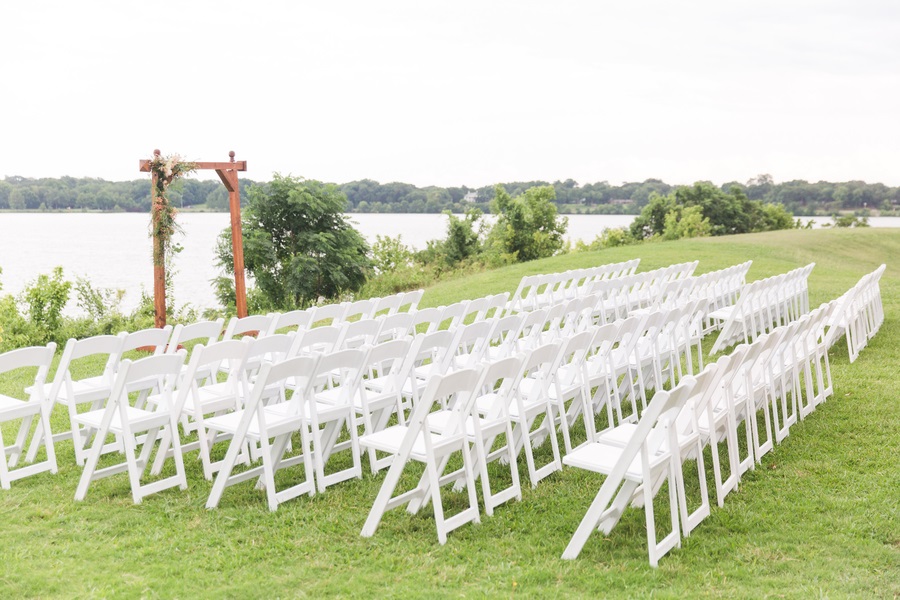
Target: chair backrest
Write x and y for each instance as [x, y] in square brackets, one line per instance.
[451, 316]
[500, 382]
[207, 332]
[271, 348]
[296, 320]
[205, 360]
[538, 366]
[157, 373]
[317, 340]
[453, 390]
[153, 337]
[388, 305]
[530, 329]
[504, 336]
[396, 326]
[253, 326]
[357, 333]
[429, 317]
[470, 344]
[341, 370]
[432, 349]
[496, 304]
[36, 357]
[570, 368]
[361, 309]
[329, 314]
[108, 345]
[653, 428]
[410, 301]
[296, 374]
[386, 361]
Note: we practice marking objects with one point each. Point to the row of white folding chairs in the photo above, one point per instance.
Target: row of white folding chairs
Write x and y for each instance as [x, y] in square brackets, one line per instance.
[620, 296]
[763, 305]
[784, 375]
[540, 291]
[333, 314]
[72, 392]
[859, 314]
[720, 288]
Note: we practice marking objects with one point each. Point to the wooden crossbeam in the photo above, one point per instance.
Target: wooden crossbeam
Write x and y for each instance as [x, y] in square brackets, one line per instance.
[240, 165]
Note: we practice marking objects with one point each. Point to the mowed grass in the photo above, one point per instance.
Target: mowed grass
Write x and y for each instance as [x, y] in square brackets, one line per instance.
[819, 518]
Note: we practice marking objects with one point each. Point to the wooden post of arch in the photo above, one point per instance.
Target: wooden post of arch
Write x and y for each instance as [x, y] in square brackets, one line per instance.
[227, 172]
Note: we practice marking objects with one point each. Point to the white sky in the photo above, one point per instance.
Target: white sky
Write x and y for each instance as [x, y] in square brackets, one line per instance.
[452, 93]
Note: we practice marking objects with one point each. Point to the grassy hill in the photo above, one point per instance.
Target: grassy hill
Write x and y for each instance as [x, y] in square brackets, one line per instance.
[820, 517]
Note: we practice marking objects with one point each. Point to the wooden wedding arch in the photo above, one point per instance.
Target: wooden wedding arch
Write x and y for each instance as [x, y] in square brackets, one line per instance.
[227, 172]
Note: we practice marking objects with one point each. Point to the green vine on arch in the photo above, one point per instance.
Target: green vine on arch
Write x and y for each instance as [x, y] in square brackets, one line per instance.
[167, 170]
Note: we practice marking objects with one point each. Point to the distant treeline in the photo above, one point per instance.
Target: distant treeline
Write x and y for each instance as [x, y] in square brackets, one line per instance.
[799, 197]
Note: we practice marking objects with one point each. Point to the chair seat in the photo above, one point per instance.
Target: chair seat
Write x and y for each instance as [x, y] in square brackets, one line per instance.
[601, 458]
[324, 410]
[275, 422]
[86, 390]
[390, 439]
[721, 314]
[13, 407]
[138, 419]
[439, 421]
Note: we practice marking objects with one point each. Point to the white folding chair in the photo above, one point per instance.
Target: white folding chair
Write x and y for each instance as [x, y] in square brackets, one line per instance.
[531, 403]
[23, 361]
[490, 421]
[379, 395]
[418, 442]
[635, 472]
[269, 427]
[690, 441]
[718, 422]
[119, 417]
[198, 396]
[331, 411]
[71, 392]
[569, 384]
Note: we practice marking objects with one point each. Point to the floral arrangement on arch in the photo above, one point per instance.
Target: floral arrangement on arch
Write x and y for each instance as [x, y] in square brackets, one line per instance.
[167, 169]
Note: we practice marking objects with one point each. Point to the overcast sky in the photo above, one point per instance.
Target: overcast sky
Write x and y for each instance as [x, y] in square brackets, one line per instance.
[453, 93]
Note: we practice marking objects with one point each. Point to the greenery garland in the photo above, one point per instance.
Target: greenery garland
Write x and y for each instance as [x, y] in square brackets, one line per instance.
[167, 169]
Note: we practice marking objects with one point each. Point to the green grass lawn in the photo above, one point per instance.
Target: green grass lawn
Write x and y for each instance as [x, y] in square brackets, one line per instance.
[820, 517]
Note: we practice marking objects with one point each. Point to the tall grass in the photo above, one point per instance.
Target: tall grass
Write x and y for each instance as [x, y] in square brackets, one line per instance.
[819, 517]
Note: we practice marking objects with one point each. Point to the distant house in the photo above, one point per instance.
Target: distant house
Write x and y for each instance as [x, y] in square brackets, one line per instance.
[470, 198]
[621, 201]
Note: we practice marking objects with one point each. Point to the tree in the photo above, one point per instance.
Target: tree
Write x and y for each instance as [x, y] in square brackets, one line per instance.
[527, 226]
[715, 213]
[462, 237]
[298, 246]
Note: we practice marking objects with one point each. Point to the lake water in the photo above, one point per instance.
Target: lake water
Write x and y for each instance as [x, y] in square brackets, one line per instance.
[114, 250]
